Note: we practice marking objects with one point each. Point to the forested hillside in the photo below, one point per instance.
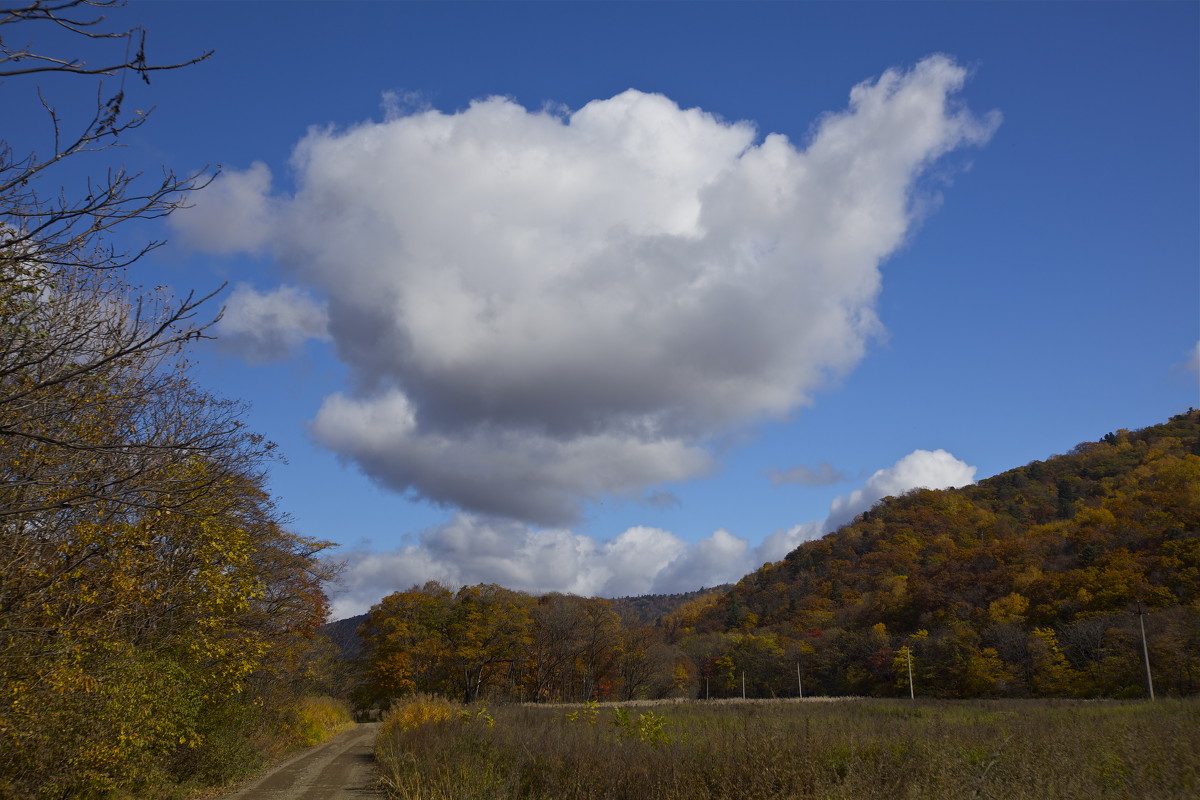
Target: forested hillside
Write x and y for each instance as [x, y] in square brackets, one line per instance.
[1025, 583]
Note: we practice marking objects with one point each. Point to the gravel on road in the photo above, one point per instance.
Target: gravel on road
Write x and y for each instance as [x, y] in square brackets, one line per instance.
[341, 769]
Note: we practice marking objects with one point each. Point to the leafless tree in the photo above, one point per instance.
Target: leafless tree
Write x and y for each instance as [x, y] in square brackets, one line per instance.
[41, 223]
[93, 400]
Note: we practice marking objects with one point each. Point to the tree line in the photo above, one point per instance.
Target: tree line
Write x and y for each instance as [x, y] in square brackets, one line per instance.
[488, 642]
[157, 615]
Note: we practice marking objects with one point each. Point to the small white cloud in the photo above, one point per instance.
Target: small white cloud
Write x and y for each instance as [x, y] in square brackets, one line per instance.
[824, 474]
[262, 326]
[402, 103]
[662, 500]
[470, 549]
[920, 469]
[782, 542]
[721, 558]
[235, 213]
[633, 561]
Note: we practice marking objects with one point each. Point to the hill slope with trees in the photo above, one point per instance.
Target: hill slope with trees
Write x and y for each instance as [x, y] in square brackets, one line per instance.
[1025, 583]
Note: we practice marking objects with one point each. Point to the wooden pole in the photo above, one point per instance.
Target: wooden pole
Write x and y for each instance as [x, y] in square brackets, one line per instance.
[743, 684]
[799, 683]
[908, 653]
[1145, 653]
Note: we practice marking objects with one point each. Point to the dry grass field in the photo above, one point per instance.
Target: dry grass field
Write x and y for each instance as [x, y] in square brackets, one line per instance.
[738, 750]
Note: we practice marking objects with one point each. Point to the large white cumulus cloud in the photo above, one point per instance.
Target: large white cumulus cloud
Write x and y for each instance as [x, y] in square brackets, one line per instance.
[470, 549]
[540, 308]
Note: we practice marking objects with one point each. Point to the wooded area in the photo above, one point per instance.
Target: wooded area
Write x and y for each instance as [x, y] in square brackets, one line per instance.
[1026, 584]
[156, 614]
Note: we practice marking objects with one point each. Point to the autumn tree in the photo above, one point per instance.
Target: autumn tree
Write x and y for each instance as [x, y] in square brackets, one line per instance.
[488, 634]
[554, 644]
[405, 643]
[146, 578]
[150, 592]
[574, 645]
[90, 398]
[635, 663]
[429, 639]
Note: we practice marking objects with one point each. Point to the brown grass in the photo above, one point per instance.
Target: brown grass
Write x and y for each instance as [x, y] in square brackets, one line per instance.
[858, 749]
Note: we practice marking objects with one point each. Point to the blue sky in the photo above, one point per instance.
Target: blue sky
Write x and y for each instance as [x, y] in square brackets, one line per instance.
[582, 339]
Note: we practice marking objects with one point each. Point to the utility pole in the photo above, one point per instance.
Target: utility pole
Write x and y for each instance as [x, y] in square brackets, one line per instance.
[743, 684]
[908, 654]
[1145, 652]
[799, 683]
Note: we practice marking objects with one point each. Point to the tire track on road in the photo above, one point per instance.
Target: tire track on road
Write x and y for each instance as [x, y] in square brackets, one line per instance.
[341, 769]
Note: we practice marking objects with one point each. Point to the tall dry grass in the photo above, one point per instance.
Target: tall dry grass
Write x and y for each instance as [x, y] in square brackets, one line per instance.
[858, 749]
[312, 720]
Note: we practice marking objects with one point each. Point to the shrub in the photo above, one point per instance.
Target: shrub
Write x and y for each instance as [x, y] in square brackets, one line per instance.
[313, 720]
[416, 710]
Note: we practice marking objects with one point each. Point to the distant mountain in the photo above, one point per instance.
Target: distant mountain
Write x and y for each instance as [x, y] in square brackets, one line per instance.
[344, 634]
[649, 609]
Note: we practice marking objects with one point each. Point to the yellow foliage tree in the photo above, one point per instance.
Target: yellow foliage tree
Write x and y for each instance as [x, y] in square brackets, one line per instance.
[1053, 675]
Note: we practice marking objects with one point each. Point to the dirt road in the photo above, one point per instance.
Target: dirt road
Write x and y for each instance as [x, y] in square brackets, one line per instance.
[341, 769]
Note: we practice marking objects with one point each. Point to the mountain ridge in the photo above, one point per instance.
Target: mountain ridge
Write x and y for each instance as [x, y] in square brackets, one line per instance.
[1039, 566]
